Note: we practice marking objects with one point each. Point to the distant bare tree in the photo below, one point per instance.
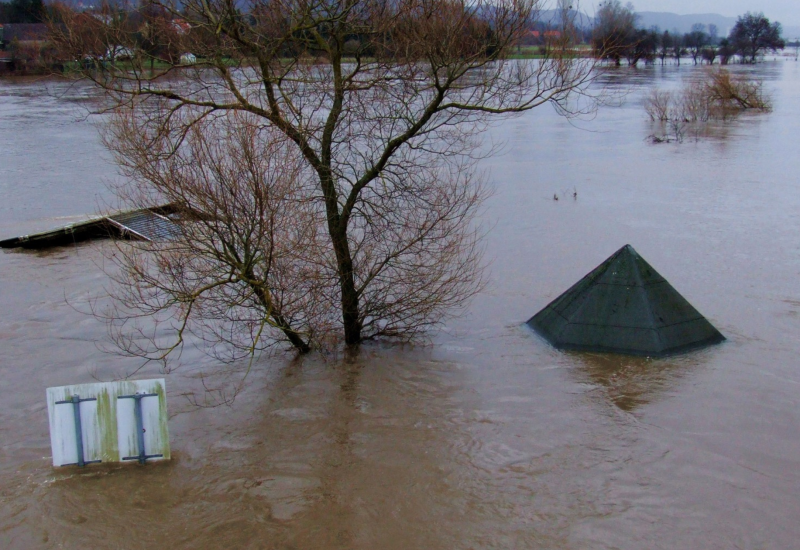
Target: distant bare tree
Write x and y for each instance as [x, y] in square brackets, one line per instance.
[665, 46]
[678, 48]
[373, 110]
[725, 51]
[709, 54]
[753, 34]
[614, 33]
[696, 40]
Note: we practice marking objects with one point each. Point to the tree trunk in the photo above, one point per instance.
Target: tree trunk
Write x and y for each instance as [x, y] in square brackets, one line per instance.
[280, 321]
[344, 262]
[294, 338]
[347, 283]
[350, 314]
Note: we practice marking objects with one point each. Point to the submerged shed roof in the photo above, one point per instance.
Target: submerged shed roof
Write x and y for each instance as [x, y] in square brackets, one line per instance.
[146, 224]
[624, 306]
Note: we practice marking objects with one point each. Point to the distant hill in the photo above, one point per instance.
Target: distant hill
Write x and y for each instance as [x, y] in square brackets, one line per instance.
[683, 23]
[553, 17]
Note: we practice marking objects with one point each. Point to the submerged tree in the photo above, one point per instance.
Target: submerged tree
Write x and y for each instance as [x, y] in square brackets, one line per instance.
[372, 110]
[614, 35]
[725, 51]
[665, 45]
[696, 41]
[753, 34]
[643, 46]
[246, 262]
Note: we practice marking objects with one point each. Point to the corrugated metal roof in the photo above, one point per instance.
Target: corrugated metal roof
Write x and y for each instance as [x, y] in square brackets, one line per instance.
[146, 224]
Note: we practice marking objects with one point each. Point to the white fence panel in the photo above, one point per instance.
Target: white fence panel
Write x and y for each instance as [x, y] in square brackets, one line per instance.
[108, 422]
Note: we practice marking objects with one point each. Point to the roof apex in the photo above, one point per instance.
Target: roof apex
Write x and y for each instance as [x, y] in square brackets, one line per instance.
[624, 306]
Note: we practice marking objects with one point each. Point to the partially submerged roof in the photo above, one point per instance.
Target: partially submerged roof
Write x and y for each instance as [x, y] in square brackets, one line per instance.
[146, 224]
[624, 306]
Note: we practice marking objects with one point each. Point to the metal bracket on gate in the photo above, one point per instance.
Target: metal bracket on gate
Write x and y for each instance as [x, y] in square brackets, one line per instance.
[76, 409]
[137, 411]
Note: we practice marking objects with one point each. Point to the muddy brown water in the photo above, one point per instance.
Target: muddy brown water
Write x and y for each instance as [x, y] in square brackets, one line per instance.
[488, 438]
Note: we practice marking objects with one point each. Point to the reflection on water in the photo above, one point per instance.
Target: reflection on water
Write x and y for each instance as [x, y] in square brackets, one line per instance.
[489, 438]
[630, 382]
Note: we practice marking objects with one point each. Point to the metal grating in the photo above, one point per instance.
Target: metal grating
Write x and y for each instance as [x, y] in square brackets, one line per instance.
[147, 225]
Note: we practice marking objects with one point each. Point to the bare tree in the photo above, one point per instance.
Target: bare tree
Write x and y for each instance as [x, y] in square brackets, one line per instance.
[753, 33]
[709, 54]
[239, 267]
[614, 33]
[373, 110]
[696, 40]
[665, 46]
[678, 48]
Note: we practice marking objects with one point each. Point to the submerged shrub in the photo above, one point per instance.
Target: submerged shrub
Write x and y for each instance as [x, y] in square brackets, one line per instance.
[717, 96]
[736, 93]
[658, 105]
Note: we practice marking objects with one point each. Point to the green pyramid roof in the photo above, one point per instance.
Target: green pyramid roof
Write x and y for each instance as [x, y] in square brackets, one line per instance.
[624, 306]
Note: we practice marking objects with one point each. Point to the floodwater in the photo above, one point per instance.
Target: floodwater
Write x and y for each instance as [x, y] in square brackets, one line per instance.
[488, 438]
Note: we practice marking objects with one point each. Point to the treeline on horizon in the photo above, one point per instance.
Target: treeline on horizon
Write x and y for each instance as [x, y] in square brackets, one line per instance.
[613, 34]
[616, 36]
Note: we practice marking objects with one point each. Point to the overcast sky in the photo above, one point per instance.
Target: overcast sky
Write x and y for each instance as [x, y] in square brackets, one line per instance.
[785, 11]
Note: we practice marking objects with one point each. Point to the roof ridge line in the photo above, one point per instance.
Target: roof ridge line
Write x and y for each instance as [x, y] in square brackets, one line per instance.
[648, 305]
